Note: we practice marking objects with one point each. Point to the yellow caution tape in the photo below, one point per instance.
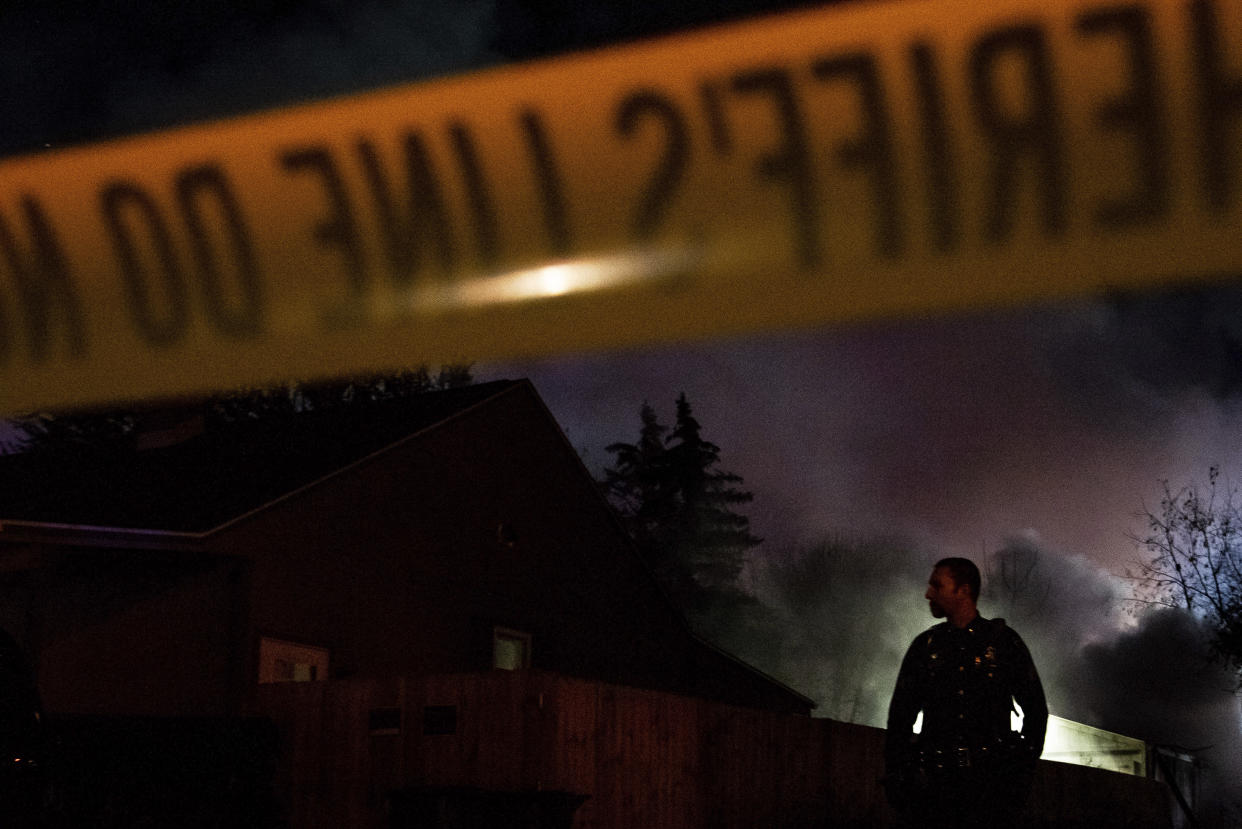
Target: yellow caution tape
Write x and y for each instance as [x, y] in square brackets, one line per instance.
[878, 159]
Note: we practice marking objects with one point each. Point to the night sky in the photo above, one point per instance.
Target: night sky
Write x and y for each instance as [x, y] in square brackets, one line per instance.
[1042, 430]
[1054, 423]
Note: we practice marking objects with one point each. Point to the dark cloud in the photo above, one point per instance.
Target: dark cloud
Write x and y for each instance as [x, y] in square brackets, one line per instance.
[84, 71]
[1183, 337]
[539, 27]
[78, 72]
[1130, 354]
[1155, 681]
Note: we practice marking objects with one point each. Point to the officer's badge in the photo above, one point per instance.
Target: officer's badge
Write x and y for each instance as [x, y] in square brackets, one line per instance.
[989, 656]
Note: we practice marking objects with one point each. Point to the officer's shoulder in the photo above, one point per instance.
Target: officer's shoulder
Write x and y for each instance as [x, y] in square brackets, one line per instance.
[1000, 629]
[928, 635]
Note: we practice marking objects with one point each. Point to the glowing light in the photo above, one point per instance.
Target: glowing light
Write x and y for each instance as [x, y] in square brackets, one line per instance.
[1084, 745]
[555, 280]
[1016, 717]
[558, 279]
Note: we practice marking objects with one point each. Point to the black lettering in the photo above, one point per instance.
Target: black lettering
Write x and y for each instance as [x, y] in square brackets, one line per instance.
[6, 327]
[717, 126]
[426, 215]
[44, 287]
[555, 217]
[130, 215]
[1034, 134]
[873, 149]
[339, 229]
[671, 168]
[1220, 103]
[943, 198]
[205, 190]
[1139, 112]
[481, 203]
[791, 163]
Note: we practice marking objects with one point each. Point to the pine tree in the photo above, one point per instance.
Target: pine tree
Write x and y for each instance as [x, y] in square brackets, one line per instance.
[639, 487]
[710, 537]
[679, 508]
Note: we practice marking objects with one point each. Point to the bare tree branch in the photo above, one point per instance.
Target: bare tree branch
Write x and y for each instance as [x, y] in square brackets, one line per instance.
[1194, 544]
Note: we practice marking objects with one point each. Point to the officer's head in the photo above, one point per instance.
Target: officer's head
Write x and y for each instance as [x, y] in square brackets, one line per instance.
[953, 587]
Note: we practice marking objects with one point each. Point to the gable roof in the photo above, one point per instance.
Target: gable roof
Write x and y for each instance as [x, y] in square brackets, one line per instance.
[210, 478]
[169, 497]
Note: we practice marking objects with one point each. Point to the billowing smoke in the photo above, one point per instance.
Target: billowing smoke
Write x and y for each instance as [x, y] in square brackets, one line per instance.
[845, 611]
[1059, 604]
[841, 614]
[1168, 342]
[1155, 681]
[844, 614]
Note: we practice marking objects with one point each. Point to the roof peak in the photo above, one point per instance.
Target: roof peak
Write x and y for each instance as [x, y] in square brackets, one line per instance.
[187, 474]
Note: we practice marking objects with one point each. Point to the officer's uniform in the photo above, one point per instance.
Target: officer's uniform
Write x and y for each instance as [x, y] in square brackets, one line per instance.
[967, 767]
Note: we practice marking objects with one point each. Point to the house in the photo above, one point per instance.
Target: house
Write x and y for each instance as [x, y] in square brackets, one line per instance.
[402, 554]
[454, 531]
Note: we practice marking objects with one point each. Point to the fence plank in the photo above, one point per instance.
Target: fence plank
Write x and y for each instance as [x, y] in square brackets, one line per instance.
[643, 758]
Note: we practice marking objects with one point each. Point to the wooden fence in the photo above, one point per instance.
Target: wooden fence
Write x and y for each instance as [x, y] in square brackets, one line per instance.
[643, 758]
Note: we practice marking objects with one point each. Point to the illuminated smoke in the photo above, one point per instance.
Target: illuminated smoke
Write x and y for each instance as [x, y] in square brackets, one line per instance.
[843, 613]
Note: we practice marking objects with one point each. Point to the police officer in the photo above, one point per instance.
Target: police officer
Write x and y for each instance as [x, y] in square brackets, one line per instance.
[967, 767]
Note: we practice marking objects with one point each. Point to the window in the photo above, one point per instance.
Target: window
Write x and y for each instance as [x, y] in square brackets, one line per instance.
[510, 649]
[281, 661]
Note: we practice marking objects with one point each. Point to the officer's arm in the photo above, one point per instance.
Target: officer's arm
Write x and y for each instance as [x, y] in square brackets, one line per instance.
[903, 710]
[1028, 691]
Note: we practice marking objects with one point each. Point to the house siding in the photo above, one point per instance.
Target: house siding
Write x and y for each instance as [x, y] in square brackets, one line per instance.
[400, 563]
[395, 564]
[109, 646]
